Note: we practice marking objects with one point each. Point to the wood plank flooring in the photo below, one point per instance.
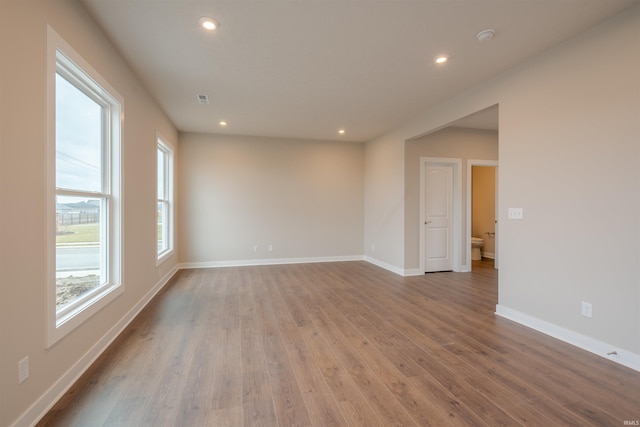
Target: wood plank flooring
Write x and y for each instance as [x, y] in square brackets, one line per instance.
[341, 344]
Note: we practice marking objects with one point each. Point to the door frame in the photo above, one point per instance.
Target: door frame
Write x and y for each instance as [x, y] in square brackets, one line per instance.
[470, 164]
[457, 208]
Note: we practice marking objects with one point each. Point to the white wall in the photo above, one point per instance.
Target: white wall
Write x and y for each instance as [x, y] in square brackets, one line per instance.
[305, 198]
[569, 155]
[23, 26]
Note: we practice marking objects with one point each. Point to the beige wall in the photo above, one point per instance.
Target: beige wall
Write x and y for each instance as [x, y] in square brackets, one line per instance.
[303, 197]
[569, 155]
[483, 207]
[23, 26]
[384, 202]
[450, 142]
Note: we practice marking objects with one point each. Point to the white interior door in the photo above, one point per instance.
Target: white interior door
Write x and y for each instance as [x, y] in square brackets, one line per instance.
[438, 222]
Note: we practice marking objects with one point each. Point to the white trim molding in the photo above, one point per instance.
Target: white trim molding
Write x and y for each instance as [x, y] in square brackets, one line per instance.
[386, 266]
[268, 261]
[600, 348]
[282, 261]
[413, 272]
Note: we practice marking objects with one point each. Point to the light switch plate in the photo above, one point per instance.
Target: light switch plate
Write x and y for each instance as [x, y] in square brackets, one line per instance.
[516, 213]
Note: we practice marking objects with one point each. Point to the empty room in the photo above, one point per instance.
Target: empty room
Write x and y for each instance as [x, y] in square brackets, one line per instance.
[319, 213]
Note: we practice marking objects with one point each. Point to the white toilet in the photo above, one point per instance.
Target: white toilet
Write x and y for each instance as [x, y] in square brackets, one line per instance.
[476, 245]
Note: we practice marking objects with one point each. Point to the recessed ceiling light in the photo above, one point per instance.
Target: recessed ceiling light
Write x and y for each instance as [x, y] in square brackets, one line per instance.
[341, 131]
[208, 23]
[223, 123]
[485, 35]
[441, 59]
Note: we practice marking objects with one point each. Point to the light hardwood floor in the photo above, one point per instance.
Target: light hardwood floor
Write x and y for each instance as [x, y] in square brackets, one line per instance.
[341, 344]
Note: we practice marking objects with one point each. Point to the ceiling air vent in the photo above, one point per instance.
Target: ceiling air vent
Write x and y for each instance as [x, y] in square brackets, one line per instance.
[203, 99]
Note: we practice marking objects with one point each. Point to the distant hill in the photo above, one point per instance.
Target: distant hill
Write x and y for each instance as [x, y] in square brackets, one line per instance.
[84, 206]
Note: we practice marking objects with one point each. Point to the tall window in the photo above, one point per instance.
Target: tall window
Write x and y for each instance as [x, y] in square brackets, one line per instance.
[86, 145]
[165, 200]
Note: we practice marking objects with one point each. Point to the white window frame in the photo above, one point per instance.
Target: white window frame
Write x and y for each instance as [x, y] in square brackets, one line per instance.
[63, 59]
[169, 216]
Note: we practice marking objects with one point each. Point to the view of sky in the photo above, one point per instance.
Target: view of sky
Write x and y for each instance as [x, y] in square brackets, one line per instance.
[78, 139]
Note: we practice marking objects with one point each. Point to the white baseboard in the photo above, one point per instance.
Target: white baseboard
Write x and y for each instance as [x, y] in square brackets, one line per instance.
[281, 261]
[268, 261]
[40, 408]
[412, 272]
[488, 255]
[600, 348]
[386, 266]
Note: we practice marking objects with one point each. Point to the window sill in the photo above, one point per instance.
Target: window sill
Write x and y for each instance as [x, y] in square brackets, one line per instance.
[163, 257]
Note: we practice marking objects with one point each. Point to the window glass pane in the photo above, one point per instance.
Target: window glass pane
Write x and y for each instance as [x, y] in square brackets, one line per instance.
[78, 139]
[161, 174]
[162, 227]
[79, 247]
[165, 199]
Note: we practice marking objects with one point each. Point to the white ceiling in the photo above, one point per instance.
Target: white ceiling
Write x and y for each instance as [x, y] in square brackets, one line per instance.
[305, 68]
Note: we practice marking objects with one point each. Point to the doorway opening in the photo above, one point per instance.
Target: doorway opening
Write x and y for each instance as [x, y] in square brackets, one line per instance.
[482, 212]
[472, 137]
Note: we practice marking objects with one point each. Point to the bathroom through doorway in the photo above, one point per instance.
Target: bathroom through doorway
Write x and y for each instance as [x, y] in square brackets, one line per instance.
[482, 212]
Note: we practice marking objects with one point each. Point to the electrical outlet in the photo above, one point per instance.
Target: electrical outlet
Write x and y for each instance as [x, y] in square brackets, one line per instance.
[587, 309]
[270, 248]
[255, 248]
[23, 369]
